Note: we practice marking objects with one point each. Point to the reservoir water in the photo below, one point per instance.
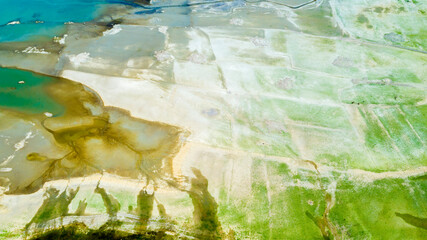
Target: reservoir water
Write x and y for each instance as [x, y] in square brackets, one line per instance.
[25, 91]
[25, 20]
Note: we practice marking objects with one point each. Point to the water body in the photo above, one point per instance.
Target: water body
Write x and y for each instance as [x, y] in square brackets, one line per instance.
[25, 91]
[22, 20]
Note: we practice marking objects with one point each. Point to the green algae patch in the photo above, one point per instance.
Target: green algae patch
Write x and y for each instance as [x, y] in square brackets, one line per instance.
[259, 220]
[404, 75]
[26, 91]
[388, 133]
[288, 204]
[402, 133]
[380, 93]
[368, 210]
[9, 235]
[416, 116]
[277, 206]
[377, 140]
[362, 18]
[279, 42]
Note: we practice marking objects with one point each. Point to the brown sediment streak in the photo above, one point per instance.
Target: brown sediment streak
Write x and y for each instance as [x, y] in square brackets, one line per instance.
[98, 138]
[314, 165]
[327, 228]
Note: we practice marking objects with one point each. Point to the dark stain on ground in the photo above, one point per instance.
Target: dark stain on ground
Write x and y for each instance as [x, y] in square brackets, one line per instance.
[79, 231]
[414, 221]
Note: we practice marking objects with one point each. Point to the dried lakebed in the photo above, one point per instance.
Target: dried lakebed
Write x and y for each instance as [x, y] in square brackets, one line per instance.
[214, 120]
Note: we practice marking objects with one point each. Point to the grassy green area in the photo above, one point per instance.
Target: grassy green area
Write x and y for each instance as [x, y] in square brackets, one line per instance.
[283, 199]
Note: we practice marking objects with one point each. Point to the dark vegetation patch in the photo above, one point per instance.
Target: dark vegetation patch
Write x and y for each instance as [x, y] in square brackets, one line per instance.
[79, 231]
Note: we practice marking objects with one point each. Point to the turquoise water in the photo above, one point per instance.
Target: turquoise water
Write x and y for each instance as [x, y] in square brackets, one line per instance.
[53, 11]
[50, 15]
[28, 32]
[30, 96]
